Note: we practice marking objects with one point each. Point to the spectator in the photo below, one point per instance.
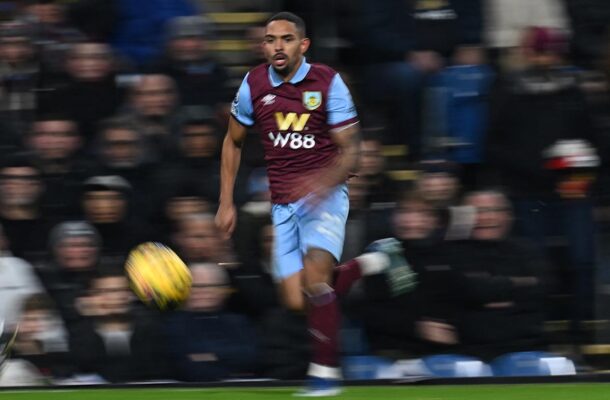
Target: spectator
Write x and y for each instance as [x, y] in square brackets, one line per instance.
[438, 183]
[403, 43]
[74, 256]
[137, 35]
[458, 111]
[185, 199]
[197, 240]
[199, 78]
[56, 144]
[423, 320]
[25, 225]
[504, 24]
[20, 373]
[90, 92]
[518, 143]
[17, 281]
[255, 290]
[152, 104]
[107, 205]
[382, 190]
[372, 197]
[197, 162]
[19, 75]
[501, 283]
[252, 240]
[122, 150]
[367, 220]
[116, 342]
[255, 36]
[52, 34]
[208, 342]
[284, 345]
[41, 339]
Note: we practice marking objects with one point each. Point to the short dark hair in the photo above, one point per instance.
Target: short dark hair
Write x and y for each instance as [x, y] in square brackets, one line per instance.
[411, 195]
[290, 17]
[117, 123]
[38, 302]
[21, 159]
[54, 117]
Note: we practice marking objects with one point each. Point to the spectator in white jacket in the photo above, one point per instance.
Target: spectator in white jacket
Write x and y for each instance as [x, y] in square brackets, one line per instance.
[17, 281]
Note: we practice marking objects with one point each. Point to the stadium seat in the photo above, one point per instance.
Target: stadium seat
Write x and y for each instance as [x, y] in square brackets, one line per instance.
[532, 363]
[455, 366]
[364, 367]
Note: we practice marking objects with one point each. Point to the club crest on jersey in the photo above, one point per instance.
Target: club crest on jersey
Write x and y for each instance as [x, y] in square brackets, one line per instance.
[312, 100]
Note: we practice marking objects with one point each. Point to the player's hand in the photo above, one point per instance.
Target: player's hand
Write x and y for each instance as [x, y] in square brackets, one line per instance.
[226, 218]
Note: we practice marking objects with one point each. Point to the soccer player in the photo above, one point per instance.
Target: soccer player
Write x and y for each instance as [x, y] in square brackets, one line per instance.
[310, 133]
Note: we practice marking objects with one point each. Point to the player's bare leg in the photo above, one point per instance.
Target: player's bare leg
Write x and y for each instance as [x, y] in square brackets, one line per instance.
[291, 292]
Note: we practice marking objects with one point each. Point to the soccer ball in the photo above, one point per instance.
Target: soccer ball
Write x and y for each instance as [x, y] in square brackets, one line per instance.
[158, 276]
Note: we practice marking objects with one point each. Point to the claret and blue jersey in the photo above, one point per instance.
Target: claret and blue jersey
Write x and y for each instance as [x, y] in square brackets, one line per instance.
[294, 119]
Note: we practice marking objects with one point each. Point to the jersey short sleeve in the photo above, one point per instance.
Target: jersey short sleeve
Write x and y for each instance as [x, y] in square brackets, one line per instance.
[242, 108]
[339, 106]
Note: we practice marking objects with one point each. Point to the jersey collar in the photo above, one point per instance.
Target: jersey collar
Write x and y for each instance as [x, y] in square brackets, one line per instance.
[276, 80]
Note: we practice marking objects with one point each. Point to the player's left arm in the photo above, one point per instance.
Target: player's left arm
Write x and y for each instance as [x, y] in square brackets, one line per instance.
[345, 129]
[347, 139]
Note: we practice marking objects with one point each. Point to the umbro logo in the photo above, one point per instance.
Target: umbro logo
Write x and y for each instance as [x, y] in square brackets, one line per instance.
[268, 99]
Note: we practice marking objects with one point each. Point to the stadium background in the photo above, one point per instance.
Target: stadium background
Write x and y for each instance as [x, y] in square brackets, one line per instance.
[169, 191]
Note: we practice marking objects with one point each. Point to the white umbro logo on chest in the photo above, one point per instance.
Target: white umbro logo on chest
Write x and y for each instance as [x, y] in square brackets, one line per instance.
[268, 99]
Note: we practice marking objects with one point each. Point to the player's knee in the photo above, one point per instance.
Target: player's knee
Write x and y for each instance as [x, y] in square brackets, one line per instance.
[320, 259]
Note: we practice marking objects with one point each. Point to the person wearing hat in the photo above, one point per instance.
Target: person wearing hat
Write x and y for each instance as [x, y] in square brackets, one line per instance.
[107, 205]
[530, 112]
[74, 255]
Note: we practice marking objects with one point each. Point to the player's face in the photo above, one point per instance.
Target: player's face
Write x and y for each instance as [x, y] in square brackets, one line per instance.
[284, 46]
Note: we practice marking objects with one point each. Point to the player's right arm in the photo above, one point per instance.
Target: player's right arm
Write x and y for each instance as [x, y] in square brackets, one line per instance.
[226, 217]
[241, 117]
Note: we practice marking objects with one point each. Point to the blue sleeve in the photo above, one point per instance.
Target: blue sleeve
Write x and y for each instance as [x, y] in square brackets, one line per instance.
[242, 108]
[339, 106]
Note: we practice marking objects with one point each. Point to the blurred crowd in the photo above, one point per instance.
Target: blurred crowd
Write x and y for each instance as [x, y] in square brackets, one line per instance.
[111, 118]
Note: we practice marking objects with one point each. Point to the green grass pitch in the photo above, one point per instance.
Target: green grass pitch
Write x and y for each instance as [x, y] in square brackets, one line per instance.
[595, 391]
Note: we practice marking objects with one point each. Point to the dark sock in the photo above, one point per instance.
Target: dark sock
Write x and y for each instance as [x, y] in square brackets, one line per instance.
[323, 323]
[345, 276]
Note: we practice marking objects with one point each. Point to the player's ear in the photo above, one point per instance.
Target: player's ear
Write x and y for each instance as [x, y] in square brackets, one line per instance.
[305, 42]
